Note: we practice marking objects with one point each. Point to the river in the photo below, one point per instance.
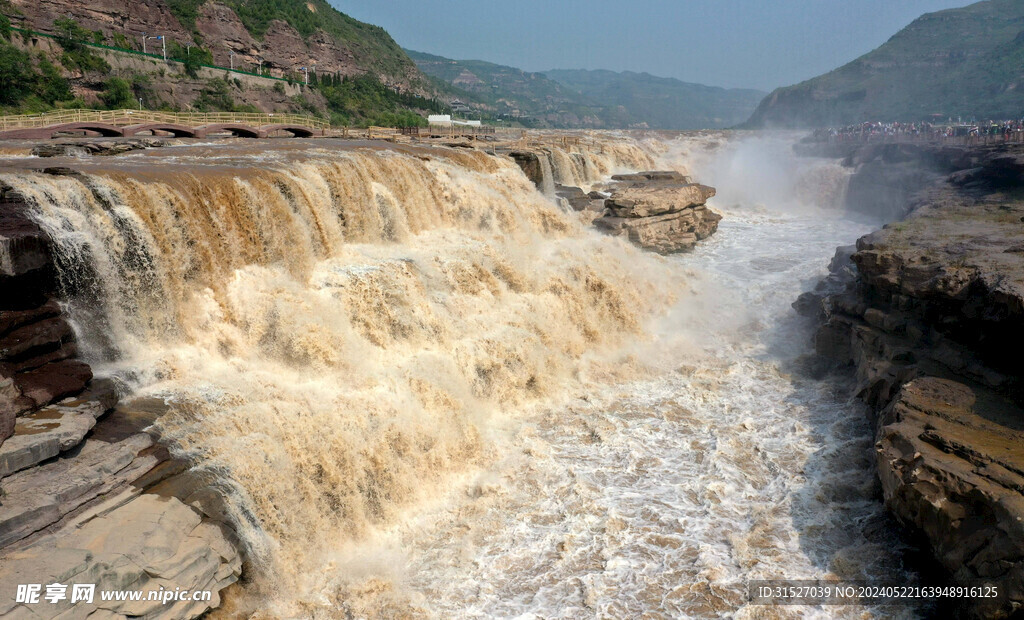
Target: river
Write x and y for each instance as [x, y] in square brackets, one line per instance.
[430, 392]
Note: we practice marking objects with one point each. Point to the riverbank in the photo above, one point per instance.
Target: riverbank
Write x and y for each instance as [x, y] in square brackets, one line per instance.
[927, 313]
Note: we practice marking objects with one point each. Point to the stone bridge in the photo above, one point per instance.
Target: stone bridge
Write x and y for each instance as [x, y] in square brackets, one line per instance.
[128, 123]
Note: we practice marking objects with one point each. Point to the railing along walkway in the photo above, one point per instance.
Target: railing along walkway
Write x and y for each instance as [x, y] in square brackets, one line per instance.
[136, 117]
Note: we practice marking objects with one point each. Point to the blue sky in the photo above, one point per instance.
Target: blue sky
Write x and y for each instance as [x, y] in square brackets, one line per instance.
[735, 43]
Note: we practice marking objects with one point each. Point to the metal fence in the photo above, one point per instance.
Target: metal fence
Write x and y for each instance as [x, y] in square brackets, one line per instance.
[160, 57]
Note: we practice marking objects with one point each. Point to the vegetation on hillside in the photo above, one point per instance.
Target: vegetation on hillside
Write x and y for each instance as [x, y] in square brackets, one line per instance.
[640, 99]
[31, 83]
[371, 45]
[363, 100]
[28, 83]
[964, 62]
[507, 92]
[77, 55]
[590, 98]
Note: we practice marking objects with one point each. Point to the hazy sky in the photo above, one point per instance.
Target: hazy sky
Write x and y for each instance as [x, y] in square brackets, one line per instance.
[737, 43]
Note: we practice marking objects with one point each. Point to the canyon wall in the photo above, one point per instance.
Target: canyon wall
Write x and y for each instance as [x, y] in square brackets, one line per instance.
[928, 313]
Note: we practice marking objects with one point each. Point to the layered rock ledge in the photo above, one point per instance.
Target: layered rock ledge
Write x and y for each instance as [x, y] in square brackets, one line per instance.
[87, 495]
[660, 211]
[929, 312]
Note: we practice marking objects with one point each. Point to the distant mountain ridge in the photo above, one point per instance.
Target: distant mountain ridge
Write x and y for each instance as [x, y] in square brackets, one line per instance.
[509, 92]
[965, 62]
[590, 99]
[660, 103]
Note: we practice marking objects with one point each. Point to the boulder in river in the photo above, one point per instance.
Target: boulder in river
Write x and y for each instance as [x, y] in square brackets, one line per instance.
[660, 211]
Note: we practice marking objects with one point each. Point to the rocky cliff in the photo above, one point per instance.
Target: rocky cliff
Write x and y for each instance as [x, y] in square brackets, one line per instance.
[330, 41]
[86, 494]
[929, 313]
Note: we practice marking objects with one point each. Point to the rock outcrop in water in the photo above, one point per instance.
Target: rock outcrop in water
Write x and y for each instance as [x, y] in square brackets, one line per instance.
[85, 495]
[660, 211]
[663, 211]
[933, 323]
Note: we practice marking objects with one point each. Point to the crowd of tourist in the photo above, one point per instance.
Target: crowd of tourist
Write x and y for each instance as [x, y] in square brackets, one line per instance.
[987, 131]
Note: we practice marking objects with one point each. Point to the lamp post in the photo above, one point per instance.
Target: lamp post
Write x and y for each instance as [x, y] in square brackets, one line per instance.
[261, 66]
[158, 38]
[231, 58]
[140, 104]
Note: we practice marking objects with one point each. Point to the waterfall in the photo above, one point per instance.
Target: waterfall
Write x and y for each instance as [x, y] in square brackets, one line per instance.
[341, 335]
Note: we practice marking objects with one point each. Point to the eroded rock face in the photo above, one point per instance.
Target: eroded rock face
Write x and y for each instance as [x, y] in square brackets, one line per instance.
[36, 342]
[932, 321]
[282, 48]
[86, 496]
[659, 211]
[658, 199]
[530, 164]
[957, 478]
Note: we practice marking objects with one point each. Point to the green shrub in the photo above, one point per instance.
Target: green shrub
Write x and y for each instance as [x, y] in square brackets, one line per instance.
[192, 58]
[117, 93]
[71, 37]
[216, 97]
[17, 78]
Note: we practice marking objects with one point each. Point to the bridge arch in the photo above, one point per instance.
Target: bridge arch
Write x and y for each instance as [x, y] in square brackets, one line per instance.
[236, 129]
[45, 133]
[179, 131]
[108, 131]
[297, 131]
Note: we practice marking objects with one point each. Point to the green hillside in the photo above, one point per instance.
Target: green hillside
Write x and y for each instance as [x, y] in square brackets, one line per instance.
[966, 62]
[372, 47]
[599, 99]
[504, 91]
[633, 99]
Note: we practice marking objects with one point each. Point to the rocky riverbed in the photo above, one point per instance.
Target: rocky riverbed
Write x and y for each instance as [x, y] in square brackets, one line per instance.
[929, 314]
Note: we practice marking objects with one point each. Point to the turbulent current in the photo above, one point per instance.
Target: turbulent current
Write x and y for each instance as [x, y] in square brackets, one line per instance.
[428, 391]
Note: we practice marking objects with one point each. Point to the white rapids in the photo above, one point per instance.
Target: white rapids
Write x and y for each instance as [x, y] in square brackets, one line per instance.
[429, 392]
[661, 498]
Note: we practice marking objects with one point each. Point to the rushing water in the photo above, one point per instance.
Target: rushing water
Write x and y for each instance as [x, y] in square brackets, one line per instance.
[429, 392]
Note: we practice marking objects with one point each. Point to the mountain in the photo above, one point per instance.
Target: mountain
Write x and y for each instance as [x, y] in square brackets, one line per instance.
[633, 99]
[508, 92]
[285, 34]
[966, 62]
[88, 57]
[600, 99]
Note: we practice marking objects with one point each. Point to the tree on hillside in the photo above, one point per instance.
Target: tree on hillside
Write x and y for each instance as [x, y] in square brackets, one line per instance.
[16, 75]
[117, 93]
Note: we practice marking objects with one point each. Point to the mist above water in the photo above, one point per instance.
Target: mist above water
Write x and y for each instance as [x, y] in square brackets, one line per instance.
[429, 391]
